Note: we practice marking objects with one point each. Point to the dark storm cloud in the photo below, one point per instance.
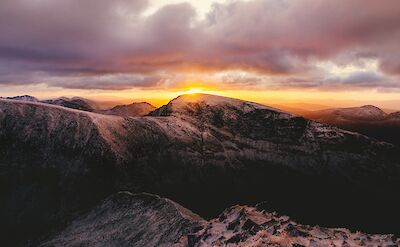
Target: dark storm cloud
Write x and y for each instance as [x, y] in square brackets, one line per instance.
[87, 39]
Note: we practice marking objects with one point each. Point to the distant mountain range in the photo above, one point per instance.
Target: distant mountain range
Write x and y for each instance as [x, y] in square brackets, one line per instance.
[132, 110]
[368, 120]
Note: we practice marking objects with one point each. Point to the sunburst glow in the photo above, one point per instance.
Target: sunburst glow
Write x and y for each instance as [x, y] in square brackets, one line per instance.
[197, 90]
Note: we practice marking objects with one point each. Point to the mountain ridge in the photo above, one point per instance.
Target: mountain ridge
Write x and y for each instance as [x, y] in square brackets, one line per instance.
[225, 152]
[134, 109]
[122, 215]
[368, 120]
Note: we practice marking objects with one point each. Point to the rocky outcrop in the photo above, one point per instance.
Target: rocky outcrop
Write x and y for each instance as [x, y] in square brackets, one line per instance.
[249, 226]
[126, 219]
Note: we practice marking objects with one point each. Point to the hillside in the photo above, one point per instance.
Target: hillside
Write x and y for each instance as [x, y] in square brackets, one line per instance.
[368, 120]
[131, 110]
[56, 162]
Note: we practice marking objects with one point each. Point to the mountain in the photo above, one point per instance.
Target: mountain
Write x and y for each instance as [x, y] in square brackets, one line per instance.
[23, 98]
[205, 152]
[74, 103]
[368, 120]
[126, 219]
[131, 110]
[394, 115]
[363, 113]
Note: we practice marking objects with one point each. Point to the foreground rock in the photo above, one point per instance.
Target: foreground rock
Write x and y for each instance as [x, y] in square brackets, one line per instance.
[126, 219]
[249, 226]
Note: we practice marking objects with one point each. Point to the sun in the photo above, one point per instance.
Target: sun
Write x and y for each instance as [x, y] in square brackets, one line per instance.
[195, 91]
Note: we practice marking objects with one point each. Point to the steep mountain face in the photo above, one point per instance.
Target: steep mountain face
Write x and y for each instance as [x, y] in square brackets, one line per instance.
[131, 110]
[74, 103]
[126, 219]
[205, 152]
[24, 98]
[368, 120]
[53, 161]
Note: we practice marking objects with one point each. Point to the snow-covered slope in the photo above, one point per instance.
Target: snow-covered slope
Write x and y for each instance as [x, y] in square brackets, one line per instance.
[188, 103]
[131, 110]
[205, 152]
[126, 219]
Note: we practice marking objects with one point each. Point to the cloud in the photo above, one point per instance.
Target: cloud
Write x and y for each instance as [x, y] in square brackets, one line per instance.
[362, 78]
[91, 44]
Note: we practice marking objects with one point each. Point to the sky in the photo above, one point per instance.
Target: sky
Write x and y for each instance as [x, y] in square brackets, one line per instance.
[342, 52]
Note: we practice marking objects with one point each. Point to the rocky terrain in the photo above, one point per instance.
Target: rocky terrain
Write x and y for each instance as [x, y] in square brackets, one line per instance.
[126, 219]
[368, 120]
[205, 152]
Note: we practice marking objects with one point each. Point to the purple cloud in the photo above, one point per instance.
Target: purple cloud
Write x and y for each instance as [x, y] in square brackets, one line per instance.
[93, 39]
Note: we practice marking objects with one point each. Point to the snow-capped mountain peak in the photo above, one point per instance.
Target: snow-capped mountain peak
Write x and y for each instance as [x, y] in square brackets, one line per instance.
[198, 104]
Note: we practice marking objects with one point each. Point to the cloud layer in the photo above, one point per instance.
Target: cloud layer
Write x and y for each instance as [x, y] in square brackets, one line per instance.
[101, 44]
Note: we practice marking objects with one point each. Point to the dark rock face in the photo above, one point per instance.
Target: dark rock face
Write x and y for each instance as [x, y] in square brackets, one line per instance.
[53, 162]
[126, 219]
[205, 152]
[132, 110]
[368, 120]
